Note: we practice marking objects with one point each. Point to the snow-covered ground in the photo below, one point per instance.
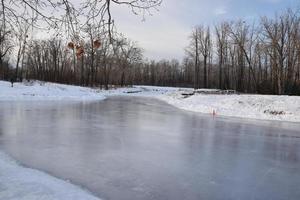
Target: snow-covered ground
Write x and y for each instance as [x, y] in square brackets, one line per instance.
[45, 91]
[20, 183]
[266, 107]
[40, 91]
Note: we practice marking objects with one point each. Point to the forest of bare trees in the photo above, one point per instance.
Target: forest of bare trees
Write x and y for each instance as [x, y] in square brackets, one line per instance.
[243, 56]
[83, 48]
[261, 57]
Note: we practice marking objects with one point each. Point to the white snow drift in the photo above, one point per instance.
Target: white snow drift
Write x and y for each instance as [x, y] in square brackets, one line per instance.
[266, 107]
[46, 91]
[20, 183]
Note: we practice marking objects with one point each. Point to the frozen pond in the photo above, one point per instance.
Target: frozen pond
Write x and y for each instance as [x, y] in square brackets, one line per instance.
[134, 148]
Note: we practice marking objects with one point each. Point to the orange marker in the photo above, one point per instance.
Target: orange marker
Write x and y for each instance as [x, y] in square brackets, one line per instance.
[214, 112]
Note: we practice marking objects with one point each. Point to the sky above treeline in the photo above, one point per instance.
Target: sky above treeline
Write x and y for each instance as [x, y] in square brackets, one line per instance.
[164, 35]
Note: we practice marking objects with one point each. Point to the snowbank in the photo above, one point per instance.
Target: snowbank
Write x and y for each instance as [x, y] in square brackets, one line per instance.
[266, 107]
[20, 183]
[144, 91]
[37, 90]
[46, 91]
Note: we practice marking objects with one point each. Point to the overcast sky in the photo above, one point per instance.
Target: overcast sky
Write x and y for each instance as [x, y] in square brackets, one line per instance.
[165, 34]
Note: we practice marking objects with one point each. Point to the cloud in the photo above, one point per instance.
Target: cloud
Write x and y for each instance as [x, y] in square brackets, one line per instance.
[220, 11]
[165, 33]
[271, 1]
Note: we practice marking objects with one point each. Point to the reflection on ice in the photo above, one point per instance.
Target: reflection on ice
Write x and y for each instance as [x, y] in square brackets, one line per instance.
[141, 148]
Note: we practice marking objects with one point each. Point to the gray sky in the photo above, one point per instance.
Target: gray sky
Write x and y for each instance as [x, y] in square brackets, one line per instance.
[165, 34]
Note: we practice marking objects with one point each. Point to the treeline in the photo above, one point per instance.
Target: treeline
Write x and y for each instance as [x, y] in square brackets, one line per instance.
[262, 57]
[255, 58]
[51, 60]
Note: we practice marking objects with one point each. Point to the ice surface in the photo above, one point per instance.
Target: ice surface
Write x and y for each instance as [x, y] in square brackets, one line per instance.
[133, 148]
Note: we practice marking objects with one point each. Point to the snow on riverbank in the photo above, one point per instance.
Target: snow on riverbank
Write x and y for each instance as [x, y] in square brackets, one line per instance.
[45, 91]
[20, 183]
[267, 107]
[36, 90]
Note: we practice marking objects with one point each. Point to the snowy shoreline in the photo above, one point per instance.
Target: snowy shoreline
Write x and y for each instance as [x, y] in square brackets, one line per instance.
[261, 107]
[39, 91]
[258, 107]
[21, 183]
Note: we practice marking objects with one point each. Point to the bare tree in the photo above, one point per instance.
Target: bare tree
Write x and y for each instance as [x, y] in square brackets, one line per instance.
[205, 50]
[222, 48]
[193, 51]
